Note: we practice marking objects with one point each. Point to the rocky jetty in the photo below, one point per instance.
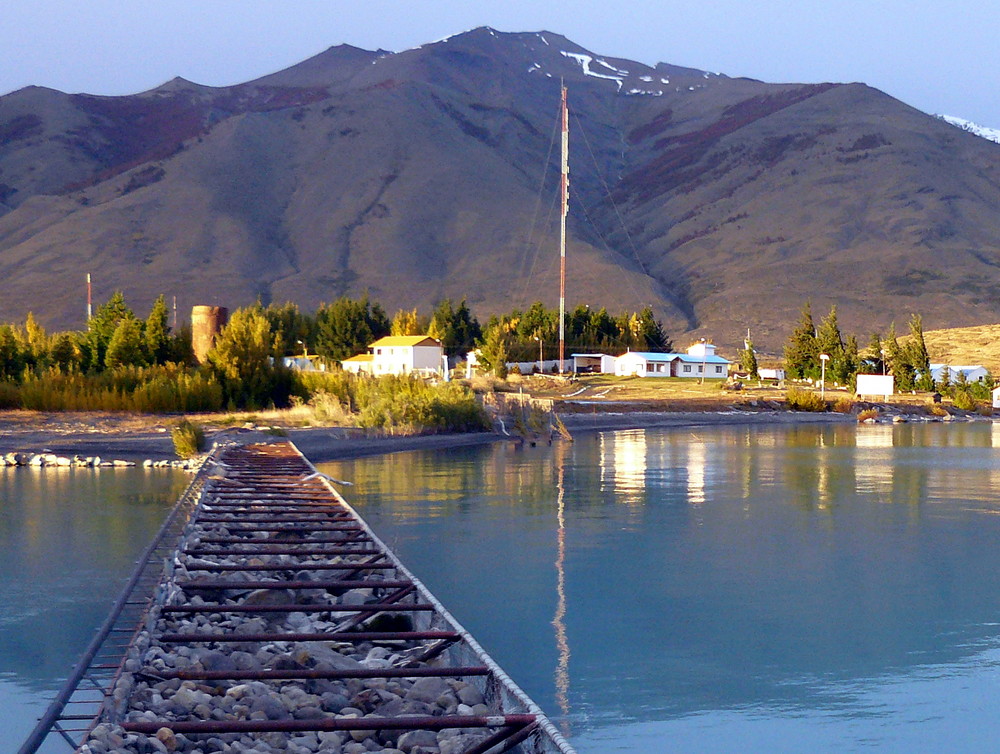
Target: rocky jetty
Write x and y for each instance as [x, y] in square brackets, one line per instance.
[282, 625]
[48, 460]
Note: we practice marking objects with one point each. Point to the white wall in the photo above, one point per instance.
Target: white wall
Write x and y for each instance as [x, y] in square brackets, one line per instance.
[875, 384]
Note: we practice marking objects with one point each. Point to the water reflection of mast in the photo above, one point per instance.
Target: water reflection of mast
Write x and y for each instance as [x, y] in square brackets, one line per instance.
[562, 643]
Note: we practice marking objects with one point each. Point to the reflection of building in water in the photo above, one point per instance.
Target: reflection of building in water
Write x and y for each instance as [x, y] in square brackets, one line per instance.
[623, 464]
[696, 453]
[872, 469]
[874, 436]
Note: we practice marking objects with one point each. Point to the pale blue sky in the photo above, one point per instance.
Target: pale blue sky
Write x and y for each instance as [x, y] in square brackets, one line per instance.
[939, 57]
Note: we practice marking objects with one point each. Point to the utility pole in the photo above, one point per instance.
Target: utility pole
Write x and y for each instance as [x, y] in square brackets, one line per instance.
[90, 305]
[564, 198]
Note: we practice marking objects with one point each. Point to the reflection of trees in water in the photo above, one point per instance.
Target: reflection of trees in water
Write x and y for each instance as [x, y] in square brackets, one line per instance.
[500, 474]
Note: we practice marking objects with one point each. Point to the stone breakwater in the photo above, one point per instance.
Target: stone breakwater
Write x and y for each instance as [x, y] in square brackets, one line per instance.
[53, 461]
[282, 626]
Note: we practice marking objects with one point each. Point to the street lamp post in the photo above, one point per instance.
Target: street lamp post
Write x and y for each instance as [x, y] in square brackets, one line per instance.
[823, 358]
[883, 361]
[305, 349]
[541, 359]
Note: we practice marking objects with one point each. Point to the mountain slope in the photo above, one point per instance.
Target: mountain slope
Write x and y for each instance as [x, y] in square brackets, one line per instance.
[724, 203]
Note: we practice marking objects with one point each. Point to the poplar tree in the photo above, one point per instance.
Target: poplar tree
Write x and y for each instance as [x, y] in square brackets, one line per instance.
[916, 354]
[801, 351]
[406, 322]
[158, 332]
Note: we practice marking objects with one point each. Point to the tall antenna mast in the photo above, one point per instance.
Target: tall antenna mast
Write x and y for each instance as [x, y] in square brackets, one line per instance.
[90, 305]
[564, 194]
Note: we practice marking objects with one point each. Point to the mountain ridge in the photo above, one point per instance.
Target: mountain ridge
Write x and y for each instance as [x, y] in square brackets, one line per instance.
[724, 203]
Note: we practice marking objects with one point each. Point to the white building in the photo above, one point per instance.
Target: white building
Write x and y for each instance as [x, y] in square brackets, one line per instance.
[596, 363]
[972, 373]
[399, 354]
[699, 361]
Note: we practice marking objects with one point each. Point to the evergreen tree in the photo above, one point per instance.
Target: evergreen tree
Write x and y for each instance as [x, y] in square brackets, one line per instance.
[943, 385]
[157, 332]
[916, 354]
[11, 356]
[897, 361]
[874, 358]
[850, 364]
[292, 329]
[748, 359]
[101, 327]
[492, 351]
[651, 334]
[347, 327]
[801, 351]
[65, 354]
[828, 337]
[127, 346]
[181, 348]
[455, 327]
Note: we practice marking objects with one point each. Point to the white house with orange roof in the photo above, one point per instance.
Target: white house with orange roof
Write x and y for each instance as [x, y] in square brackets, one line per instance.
[399, 354]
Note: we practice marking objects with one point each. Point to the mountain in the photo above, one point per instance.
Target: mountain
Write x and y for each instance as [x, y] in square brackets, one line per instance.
[993, 134]
[724, 203]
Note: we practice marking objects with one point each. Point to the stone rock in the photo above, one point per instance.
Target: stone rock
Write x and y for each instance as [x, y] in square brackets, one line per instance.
[334, 702]
[460, 743]
[271, 707]
[167, 738]
[469, 695]
[308, 713]
[212, 660]
[318, 652]
[270, 597]
[411, 738]
[427, 690]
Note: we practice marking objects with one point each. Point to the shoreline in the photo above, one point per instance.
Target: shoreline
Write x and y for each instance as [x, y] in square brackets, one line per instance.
[326, 444]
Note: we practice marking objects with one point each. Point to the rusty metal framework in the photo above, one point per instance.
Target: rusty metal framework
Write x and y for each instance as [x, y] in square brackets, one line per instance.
[267, 523]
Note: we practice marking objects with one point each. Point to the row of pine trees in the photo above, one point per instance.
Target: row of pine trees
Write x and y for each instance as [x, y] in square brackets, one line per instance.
[908, 361]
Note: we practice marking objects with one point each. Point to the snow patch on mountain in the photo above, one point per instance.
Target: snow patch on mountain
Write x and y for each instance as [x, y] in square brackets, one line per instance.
[587, 62]
[992, 134]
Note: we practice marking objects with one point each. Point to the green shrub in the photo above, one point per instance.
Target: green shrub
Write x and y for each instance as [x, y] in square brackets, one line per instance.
[804, 400]
[408, 403]
[10, 395]
[843, 406]
[963, 400]
[189, 439]
[161, 389]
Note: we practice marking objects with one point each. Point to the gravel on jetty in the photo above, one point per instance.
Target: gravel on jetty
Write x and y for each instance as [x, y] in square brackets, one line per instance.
[258, 631]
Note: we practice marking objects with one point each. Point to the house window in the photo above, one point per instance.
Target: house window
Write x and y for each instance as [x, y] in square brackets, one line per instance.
[718, 370]
[687, 367]
[650, 367]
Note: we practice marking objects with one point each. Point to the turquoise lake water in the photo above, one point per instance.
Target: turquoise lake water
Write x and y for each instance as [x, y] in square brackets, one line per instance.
[68, 542]
[724, 589]
[727, 589]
